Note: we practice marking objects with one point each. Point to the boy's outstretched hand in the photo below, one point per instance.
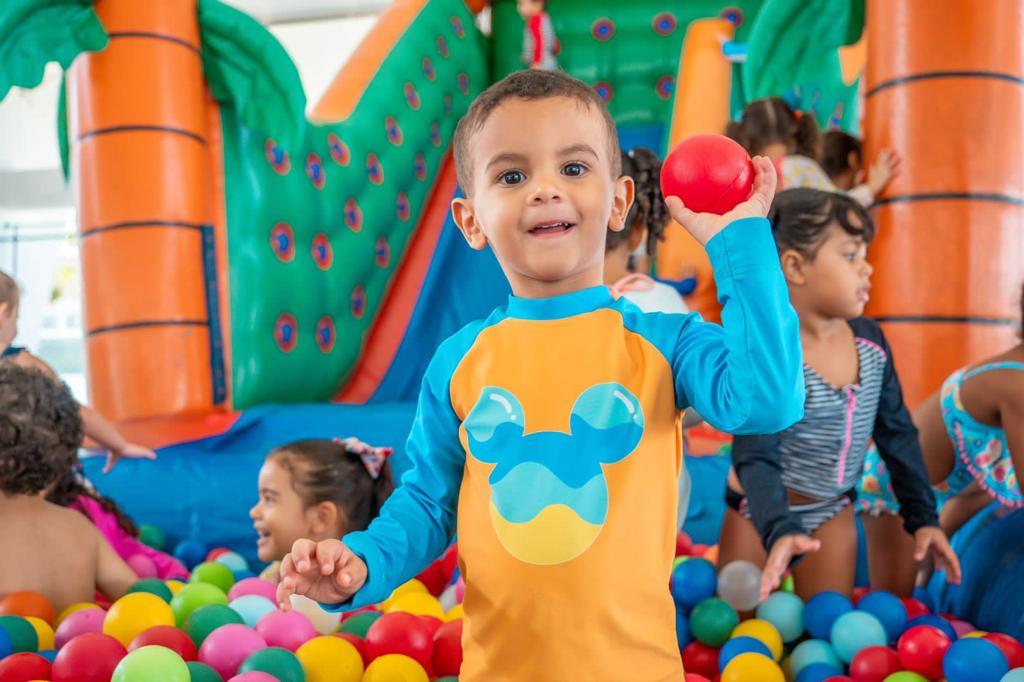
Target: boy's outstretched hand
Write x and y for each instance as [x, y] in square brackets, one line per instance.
[783, 552]
[704, 226]
[325, 571]
[931, 540]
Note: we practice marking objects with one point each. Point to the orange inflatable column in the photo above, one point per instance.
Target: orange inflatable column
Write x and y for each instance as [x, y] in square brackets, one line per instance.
[945, 89]
[140, 171]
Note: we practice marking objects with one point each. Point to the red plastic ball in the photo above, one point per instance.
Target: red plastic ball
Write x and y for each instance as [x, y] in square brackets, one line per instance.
[1011, 648]
[921, 649]
[694, 677]
[914, 608]
[216, 552]
[683, 544]
[90, 657]
[874, 664]
[710, 173]
[701, 659]
[431, 624]
[168, 637]
[24, 667]
[359, 643]
[839, 678]
[400, 633]
[858, 594]
[447, 658]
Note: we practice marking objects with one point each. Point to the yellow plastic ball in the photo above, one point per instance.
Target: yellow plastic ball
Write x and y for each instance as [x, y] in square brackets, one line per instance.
[976, 633]
[330, 659]
[396, 668]
[43, 631]
[454, 613]
[418, 604]
[135, 613]
[762, 631]
[74, 608]
[412, 586]
[175, 586]
[752, 667]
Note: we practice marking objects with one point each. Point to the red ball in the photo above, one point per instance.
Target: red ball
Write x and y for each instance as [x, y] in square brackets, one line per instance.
[839, 678]
[1011, 648]
[447, 658]
[914, 608]
[214, 553]
[710, 173]
[683, 544]
[921, 649]
[874, 664]
[693, 677]
[168, 637]
[858, 594]
[431, 624]
[400, 633]
[358, 642]
[24, 667]
[90, 657]
[701, 659]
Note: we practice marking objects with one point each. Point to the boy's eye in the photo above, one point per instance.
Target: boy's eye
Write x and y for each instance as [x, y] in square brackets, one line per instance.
[574, 169]
[512, 177]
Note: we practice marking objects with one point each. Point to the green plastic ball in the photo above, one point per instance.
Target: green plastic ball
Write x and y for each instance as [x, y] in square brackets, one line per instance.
[153, 586]
[214, 573]
[23, 636]
[712, 621]
[206, 619]
[201, 672]
[360, 623]
[276, 661]
[193, 596]
[152, 536]
[151, 664]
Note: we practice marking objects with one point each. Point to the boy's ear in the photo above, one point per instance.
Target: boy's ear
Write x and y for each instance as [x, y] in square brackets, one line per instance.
[469, 226]
[622, 199]
[793, 263]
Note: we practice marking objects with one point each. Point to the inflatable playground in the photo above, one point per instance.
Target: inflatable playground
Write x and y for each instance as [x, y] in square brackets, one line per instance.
[255, 274]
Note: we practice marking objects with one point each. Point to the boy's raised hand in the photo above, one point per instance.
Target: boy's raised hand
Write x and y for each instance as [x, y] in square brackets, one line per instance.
[325, 571]
[704, 226]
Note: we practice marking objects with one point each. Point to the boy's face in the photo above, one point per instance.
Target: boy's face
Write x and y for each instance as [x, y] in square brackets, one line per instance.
[542, 194]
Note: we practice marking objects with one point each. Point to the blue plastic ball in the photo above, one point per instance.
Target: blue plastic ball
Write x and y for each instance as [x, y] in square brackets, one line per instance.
[818, 672]
[190, 552]
[854, 631]
[683, 629]
[888, 609]
[822, 611]
[48, 654]
[936, 622]
[242, 575]
[786, 612]
[693, 581]
[234, 561]
[741, 645]
[974, 660]
[252, 607]
[6, 646]
[1015, 675]
[813, 651]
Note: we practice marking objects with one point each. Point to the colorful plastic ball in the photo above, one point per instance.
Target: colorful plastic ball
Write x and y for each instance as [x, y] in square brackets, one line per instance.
[701, 659]
[28, 604]
[251, 608]
[153, 586]
[855, 631]
[915, 608]
[818, 672]
[413, 585]
[786, 612]
[712, 621]
[395, 668]
[330, 659]
[446, 658]
[1015, 675]
[752, 668]
[921, 649]
[256, 586]
[206, 619]
[418, 604]
[764, 632]
[1011, 648]
[253, 676]
[200, 672]
[25, 667]
[400, 633]
[243, 575]
[905, 676]
[91, 657]
[280, 663]
[874, 664]
[888, 609]
[136, 613]
[175, 586]
[813, 651]
[974, 660]
[286, 629]
[79, 623]
[216, 552]
[142, 565]
[190, 552]
[741, 645]
[233, 560]
[192, 597]
[48, 654]
[693, 581]
[710, 173]
[213, 573]
[934, 621]
[74, 608]
[151, 536]
[821, 612]
[21, 633]
[324, 622]
[6, 649]
[44, 633]
[168, 637]
[360, 644]
[739, 584]
[360, 623]
[151, 664]
[691, 677]
[227, 647]
[683, 634]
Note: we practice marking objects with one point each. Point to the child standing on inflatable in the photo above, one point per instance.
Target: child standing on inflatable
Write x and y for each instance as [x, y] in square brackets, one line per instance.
[547, 433]
[792, 491]
[540, 45]
[96, 427]
[792, 140]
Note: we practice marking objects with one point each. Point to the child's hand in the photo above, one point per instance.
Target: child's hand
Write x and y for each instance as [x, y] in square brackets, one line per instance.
[783, 551]
[932, 540]
[326, 572]
[130, 451]
[882, 171]
[704, 226]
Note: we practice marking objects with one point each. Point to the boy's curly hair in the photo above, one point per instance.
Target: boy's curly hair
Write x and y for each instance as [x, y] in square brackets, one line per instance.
[40, 430]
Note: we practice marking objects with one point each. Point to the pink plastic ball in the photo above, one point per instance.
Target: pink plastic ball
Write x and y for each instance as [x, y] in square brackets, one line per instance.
[227, 647]
[253, 676]
[460, 590]
[143, 566]
[256, 586]
[286, 629]
[79, 623]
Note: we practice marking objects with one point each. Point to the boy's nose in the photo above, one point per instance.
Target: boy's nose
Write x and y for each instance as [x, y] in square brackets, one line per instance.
[545, 190]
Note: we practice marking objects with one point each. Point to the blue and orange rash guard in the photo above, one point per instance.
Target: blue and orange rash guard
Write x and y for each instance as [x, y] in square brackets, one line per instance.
[547, 435]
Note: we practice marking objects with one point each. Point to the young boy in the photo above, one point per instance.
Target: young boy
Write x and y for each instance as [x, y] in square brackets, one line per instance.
[544, 432]
[46, 548]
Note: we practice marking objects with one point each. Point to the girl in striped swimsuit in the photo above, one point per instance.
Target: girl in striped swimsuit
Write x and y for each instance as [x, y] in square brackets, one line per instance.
[792, 492]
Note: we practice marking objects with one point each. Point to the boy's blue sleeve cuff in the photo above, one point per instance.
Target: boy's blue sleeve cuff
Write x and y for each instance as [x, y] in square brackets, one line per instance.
[369, 593]
[745, 245]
